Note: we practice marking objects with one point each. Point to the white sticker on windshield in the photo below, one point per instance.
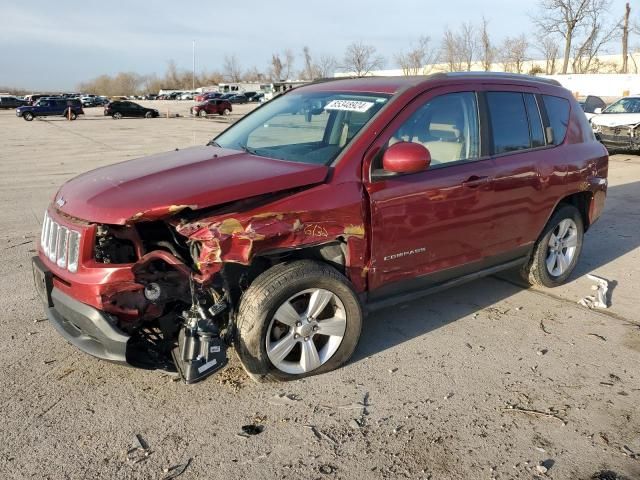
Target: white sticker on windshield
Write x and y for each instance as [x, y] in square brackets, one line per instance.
[349, 105]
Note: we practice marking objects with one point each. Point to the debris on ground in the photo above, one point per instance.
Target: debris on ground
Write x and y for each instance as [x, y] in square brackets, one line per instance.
[283, 399]
[599, 300]
[528, 411]
[543, 328]
[598, 336]
[319, 434]
[140, 452]
[542, 351]
[541, 469]
[251, 429]
[327, 469]
[176, 470]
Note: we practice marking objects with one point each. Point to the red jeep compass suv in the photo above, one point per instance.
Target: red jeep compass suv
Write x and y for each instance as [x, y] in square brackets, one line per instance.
[331, 200]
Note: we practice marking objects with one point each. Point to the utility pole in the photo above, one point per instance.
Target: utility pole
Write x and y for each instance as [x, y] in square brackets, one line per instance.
[193, 75]
[625, 39]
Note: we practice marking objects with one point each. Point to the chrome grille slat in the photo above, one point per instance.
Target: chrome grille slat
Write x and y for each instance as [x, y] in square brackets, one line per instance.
[60, 244]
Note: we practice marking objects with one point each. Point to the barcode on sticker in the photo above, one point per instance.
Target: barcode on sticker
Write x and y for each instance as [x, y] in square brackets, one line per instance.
[349, 105]
[207, 366]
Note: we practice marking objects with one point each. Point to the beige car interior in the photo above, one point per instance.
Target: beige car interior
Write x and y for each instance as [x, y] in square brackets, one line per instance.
[443, 126]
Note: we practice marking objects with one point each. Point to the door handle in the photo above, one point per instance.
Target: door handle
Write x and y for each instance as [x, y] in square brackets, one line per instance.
[475, 181]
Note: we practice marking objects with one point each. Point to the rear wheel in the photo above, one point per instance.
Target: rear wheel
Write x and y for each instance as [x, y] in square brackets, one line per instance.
[117, 115]
[295, 320]
[28, 116]
[226, 112]
[555, 254]
[70, 115]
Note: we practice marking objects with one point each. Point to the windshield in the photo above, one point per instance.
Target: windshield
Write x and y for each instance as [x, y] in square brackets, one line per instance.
[303, 127]
[624, 105]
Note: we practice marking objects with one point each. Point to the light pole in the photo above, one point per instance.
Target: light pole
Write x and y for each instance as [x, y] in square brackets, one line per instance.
[193, 75]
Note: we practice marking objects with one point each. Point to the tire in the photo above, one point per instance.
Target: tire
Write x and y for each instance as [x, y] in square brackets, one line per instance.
[226, 112]
[117, 116]
[70, 115]
[148, 115]
[202, 113]
[550, 264]
[28, 116]
[271, 290]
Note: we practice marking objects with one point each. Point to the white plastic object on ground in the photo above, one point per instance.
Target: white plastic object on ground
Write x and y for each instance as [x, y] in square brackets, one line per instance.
[599, 300]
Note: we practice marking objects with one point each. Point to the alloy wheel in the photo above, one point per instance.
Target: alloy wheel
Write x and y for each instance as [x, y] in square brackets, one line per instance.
[306, 331]
[562, 247]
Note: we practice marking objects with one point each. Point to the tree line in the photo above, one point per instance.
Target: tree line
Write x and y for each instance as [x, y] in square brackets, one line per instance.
[569, 36]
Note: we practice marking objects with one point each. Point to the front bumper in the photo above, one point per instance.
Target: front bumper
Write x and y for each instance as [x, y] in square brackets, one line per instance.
[85, 327]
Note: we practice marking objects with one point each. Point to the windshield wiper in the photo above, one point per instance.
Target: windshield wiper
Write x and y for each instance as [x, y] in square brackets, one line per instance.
[248, 149]
[213, 143]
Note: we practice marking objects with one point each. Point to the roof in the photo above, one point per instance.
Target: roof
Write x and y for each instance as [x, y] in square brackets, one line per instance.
[391, 85]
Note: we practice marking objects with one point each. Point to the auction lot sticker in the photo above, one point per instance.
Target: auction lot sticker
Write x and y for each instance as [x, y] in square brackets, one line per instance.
[349, 105]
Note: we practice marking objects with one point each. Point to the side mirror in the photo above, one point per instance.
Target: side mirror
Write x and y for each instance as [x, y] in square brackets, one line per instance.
[406, 157]
[597, 111]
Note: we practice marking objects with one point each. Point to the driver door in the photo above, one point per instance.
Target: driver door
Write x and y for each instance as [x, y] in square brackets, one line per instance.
[434, 225]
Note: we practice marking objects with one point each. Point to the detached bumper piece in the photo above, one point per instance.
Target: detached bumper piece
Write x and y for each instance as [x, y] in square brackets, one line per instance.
[200, 351]
[85, 327]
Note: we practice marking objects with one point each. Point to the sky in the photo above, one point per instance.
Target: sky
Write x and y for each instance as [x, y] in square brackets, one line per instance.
[54, 45]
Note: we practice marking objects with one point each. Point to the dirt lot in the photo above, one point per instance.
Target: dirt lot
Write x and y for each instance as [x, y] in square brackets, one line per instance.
[483, 381]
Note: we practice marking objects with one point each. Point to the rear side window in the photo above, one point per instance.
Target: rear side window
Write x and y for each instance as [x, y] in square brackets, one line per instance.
[558, 113]
[509, 125]
[535, 121]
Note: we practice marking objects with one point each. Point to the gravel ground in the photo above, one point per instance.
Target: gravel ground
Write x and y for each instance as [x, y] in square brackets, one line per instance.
[489, 380]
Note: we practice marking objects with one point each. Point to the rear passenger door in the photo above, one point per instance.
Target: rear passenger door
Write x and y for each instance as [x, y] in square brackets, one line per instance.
[521, 147]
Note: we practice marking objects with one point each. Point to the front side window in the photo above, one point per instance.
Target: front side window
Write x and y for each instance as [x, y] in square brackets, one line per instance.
[447, 126]
[303, 127]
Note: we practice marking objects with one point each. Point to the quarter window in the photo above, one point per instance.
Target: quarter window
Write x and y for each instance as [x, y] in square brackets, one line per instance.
[447, 126]
[558, 113]
[509, 125]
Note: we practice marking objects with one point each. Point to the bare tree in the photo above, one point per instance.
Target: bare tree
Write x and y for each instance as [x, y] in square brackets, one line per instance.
[487, 50]
[288, 63]
[327, 65]
[565, 17]
[419, 59]
[515, 53]
[468, 44]
[276, 67]
[459, 50]
[310, 70]
[625, 39]
[547, 45]
[450, 51]
[597, 35]
[232, 68]
[361, 59]
[254, 75]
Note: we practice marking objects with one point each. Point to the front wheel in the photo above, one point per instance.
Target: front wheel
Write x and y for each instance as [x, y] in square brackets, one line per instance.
[202, 113]
[555, 254]
[117, 115]
[28, 116]
[148, 115]
[297, 319]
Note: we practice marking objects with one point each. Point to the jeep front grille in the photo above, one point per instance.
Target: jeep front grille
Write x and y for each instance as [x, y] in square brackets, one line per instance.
[60, 244]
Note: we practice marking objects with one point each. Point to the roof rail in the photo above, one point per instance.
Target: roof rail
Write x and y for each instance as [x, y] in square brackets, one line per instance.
[506, 75]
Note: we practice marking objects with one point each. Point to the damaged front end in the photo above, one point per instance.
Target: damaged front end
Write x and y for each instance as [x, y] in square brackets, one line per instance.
[172, 279]
[619, 137]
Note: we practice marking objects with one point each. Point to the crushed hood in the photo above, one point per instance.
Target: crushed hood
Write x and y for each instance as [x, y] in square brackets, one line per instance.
[151, 187]
[616, 119]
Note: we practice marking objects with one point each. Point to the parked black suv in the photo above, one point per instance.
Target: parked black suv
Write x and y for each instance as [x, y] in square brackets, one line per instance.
[11, 102]
[125, 108]
[51, 106]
